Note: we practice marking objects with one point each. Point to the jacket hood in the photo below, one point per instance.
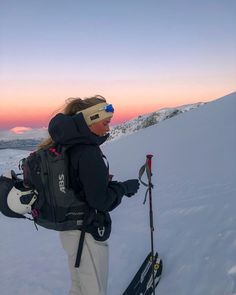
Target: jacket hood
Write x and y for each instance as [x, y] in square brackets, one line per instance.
[69, 130]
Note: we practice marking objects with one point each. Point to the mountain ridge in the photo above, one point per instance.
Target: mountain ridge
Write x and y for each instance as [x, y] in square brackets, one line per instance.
[147, 120]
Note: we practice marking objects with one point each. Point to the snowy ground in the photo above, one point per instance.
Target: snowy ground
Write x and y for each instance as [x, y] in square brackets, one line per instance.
[194, 174]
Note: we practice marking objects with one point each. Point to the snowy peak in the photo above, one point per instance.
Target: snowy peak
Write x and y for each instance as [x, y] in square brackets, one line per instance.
[148, 120]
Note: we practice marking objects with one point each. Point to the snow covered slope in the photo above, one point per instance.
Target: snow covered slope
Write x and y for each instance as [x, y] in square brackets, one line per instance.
[150, 119]
[194, 177]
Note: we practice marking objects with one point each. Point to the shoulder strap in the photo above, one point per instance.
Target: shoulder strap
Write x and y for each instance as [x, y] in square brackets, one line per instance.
[80, 248]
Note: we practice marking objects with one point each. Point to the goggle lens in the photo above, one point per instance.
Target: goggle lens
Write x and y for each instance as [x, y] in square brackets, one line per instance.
[109, 108]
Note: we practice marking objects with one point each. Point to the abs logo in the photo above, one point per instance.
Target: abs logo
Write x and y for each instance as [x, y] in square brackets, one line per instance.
[61, 183]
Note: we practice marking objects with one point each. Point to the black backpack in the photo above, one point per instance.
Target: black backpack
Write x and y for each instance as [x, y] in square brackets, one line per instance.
[46, 176]
[56, 206]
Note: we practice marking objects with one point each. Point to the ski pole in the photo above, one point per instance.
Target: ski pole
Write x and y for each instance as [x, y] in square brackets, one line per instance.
[149, 164]
[148, 167]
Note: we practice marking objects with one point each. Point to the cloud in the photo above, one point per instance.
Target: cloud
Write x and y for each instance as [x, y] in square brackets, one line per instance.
[20, 130]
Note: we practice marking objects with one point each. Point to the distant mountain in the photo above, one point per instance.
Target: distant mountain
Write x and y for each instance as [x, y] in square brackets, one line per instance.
[35, 134]
[147, 120]
[27, 140]
[30, 139]
[21, 144]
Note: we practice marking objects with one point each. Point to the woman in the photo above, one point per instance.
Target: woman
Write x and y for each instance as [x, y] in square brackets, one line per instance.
[83, 126]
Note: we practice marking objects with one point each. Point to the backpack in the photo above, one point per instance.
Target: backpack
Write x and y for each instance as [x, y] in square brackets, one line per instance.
[45, 193]
[45, 188]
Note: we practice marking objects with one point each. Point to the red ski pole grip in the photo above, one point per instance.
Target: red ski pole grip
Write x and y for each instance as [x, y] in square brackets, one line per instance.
[149, 162]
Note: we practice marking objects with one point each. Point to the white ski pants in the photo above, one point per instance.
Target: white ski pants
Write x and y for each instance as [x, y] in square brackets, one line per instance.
[92, 275]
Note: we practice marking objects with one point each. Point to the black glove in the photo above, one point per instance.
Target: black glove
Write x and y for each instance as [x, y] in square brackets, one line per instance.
[130, 187]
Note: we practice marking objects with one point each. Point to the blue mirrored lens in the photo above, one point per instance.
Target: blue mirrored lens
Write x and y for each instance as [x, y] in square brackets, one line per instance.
[109, 108]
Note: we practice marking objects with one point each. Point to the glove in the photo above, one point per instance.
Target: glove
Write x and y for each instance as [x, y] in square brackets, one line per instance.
[130, 187]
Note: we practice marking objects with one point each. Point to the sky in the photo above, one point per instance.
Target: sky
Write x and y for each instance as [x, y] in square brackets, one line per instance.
[140, 55]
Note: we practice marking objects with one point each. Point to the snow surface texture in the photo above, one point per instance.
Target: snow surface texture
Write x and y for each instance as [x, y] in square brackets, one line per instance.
[194, 177]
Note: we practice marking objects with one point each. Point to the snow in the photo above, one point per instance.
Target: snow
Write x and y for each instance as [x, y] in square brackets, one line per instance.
[194, 173]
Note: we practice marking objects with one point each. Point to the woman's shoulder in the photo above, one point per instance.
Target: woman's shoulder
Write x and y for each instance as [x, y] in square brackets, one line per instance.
[79, 150]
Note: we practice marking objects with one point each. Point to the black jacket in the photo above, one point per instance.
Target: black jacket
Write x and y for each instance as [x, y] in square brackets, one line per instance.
[88, 171]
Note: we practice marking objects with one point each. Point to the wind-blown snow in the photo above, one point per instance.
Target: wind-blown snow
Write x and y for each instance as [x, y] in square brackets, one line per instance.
[194, 198]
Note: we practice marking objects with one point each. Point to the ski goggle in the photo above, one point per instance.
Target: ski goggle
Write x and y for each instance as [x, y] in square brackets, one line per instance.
[108, 108]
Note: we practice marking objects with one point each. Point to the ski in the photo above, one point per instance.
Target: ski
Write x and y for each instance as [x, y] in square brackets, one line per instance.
[147, 286]
[141, 284]
[141, 280]
[138, 276]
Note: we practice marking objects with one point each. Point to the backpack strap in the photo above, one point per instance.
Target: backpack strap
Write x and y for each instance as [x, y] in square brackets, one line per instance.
[80, 248]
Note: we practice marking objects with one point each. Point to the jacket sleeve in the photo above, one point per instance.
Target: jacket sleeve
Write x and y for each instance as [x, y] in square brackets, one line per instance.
[100, 193]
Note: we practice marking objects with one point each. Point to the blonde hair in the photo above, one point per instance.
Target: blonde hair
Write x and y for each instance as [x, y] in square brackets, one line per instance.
[71, 107]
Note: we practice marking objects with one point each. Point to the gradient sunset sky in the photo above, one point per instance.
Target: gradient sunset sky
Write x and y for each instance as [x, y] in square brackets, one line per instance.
[141, 55]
